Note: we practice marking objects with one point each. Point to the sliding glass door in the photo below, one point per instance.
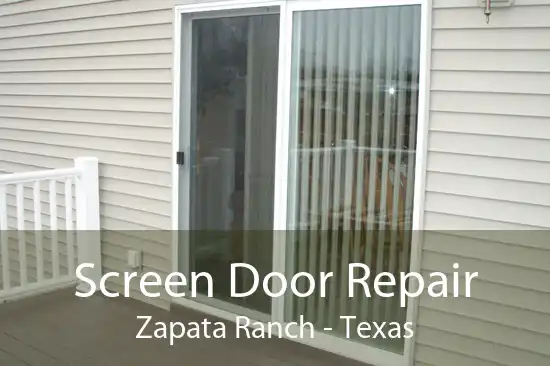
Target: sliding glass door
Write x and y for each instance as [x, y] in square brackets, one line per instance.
[300, 121]
[231, 127]
[353, 123]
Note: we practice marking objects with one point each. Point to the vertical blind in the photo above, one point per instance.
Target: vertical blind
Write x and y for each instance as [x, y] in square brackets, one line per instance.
[353, 136]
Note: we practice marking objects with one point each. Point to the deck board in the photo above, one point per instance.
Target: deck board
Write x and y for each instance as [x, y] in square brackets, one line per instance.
[60, 329]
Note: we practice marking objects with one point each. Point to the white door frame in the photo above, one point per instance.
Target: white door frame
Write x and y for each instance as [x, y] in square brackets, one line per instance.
[327, 342]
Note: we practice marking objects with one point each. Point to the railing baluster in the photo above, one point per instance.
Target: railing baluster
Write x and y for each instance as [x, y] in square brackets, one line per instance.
[53, 228]
[81, 248]
[69, 224]
[21, 235]
[38, 231]
[4, 239]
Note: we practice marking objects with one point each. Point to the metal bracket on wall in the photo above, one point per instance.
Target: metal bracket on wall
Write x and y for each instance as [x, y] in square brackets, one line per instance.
[488, 6]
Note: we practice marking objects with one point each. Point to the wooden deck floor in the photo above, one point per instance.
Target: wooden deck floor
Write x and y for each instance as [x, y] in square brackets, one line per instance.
[59, 329]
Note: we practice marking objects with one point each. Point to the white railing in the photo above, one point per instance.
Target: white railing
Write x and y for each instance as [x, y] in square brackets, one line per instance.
[48, 261]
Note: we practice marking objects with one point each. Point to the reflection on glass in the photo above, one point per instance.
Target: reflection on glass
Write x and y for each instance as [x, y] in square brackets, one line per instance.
[353, 134]
[234, 72]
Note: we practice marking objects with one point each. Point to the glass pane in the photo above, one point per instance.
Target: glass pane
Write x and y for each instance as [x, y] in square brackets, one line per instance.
[353, 135]
[234, 72]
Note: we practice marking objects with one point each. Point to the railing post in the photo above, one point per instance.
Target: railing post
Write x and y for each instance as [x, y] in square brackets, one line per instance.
[87, 219]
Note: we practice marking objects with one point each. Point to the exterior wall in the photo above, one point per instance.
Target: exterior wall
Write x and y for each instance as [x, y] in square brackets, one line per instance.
[93, 77]
[488, 167]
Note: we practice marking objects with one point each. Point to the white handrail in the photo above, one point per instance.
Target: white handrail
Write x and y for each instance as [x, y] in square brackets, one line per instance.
[27, 177]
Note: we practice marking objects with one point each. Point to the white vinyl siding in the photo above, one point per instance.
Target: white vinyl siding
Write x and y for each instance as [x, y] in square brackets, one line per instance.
[488, 168]
[81, 77]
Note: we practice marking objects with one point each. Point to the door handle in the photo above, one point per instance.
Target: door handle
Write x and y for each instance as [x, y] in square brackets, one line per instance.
[180, 158]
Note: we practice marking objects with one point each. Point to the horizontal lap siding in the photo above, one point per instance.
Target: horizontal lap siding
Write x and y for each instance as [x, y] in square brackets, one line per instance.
[488, 168]
[94, 78]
